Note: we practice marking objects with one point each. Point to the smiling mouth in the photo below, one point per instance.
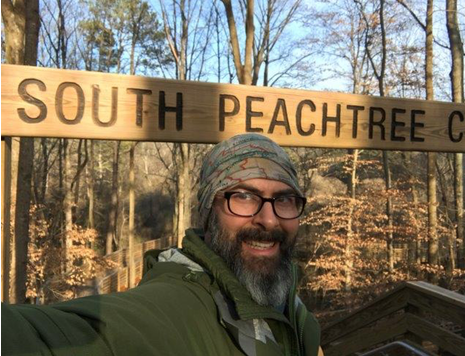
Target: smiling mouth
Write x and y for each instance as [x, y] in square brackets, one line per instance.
[260, 245]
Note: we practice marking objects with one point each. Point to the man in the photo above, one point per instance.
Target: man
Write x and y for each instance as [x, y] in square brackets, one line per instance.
[229, 291]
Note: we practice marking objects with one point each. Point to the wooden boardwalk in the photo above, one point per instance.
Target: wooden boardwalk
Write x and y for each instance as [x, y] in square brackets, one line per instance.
[118, 279]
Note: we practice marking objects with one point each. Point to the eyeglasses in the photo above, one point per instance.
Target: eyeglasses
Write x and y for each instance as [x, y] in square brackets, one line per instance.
[247, 204]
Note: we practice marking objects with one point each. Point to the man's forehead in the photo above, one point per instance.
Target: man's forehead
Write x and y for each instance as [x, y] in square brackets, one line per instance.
[263, 186]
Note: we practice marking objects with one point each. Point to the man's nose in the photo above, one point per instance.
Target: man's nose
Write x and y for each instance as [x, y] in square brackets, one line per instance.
[266, 218]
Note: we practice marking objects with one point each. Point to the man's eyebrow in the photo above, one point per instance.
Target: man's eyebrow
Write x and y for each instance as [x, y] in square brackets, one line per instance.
[251, 189]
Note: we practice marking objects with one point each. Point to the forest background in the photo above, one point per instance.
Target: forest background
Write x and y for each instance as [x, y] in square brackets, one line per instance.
[373, 218]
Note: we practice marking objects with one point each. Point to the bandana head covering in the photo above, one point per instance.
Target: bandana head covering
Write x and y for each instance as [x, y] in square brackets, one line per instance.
[238, 159]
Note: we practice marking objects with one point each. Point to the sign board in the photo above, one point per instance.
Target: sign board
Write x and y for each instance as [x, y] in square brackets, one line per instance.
[43, 102]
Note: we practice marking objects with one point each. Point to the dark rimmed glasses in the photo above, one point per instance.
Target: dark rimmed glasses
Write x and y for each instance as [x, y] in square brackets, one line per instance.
[246, 204]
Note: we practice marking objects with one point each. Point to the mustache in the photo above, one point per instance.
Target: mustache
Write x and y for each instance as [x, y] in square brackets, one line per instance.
[258, 235]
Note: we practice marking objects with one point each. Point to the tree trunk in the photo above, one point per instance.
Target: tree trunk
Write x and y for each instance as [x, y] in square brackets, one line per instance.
[67, 202]
[6, 202]
[412, 251]
[77, 178]
[90, 184]
[244, 71]
[22, 23]
[351, 188]
[184, 196]
[456, 48]
[113, 214]
[47, 147]
[131, 217]
[459, 204]
[433, 243]
[181, 190]
[451, 260]
[181, 151]
[390, 235]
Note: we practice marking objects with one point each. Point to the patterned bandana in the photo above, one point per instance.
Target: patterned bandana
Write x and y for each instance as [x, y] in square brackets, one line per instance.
[238, 159]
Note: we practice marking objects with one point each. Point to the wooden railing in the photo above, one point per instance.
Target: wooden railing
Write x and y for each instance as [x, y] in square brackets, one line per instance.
[118, 279]
[430, 317]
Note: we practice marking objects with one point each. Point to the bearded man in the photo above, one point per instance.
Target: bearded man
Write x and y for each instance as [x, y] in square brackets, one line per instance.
[230, 290]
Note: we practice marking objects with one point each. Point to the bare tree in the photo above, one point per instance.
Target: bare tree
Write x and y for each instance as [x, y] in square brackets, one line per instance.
[433, 243]
[379, 71]
[184, 19]
[273, 18]
[22, 23]
[113, 214]
[456, 48]
[90, 179]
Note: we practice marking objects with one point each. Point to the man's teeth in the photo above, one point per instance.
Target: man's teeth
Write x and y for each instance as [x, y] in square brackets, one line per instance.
[260, 245]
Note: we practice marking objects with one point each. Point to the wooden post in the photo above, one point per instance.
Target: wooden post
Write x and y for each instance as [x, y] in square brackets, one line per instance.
[6, 195]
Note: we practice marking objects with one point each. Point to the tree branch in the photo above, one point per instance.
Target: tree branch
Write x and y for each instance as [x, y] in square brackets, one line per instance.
[234, 40]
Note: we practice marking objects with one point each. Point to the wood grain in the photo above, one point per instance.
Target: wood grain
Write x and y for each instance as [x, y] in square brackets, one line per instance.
[367, 337]
[40, 102]
[366, 315]
[445, 339]
[439, 307]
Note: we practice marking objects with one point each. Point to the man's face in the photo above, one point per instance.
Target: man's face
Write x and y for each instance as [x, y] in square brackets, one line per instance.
[258, 249]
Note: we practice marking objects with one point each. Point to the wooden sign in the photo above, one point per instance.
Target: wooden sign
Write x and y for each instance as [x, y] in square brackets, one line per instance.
[42, 102]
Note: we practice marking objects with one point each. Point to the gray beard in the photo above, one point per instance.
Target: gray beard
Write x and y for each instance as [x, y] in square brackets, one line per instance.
[268, 280]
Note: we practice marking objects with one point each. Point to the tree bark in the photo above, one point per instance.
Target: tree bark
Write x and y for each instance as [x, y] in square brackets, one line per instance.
[244, 71]
[456, 47]
[90, 184]
[433, 243]
[459, 204]
[181, 156]
[77, 178]
[67, 203]
[6, 202]
[452, 248]
[389, 212]
[131, 216]
[414, 242]
[44, 175]
[351, 189]
[113, 214]
[184, 196]
[22, 23]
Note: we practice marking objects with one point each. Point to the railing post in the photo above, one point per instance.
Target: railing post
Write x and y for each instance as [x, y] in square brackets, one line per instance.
[411, 309]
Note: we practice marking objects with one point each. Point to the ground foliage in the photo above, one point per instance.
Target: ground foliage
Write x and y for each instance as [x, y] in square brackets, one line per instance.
[346, 263]
[59, 269]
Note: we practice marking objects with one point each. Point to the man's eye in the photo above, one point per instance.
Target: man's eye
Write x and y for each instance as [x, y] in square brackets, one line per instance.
[286, 199]
[243, 196]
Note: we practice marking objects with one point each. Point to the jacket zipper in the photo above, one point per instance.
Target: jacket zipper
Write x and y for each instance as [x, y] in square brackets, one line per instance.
[299, 329]
[301, 333]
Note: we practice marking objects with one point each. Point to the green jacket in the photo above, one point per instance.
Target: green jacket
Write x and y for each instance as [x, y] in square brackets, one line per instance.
[188, 303]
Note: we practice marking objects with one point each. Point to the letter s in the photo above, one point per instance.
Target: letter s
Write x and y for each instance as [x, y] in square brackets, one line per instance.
[28, 98]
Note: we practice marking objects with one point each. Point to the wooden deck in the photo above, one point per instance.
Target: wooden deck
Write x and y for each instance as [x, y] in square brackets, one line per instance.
[423, 314]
